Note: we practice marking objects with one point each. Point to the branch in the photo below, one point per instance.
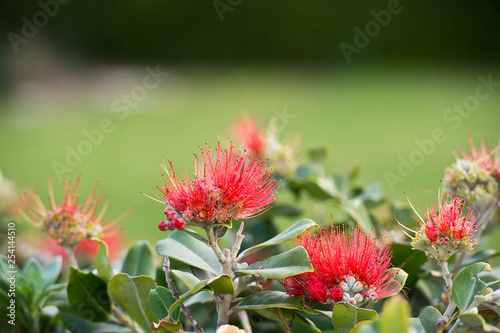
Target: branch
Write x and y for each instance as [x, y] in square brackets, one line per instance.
[175, 295]
[237, 243]
[445, 319]
[283, 321]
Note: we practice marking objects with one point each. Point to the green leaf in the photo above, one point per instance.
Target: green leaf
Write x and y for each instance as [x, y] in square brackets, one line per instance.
[429, 289]
[399, 282]
[165, 325]
[316, 191]
[357, 210]
[271, 299]
[88, 296]
[161, 300]
[187, 278]
[52, 270]
[345, 316]
[132, 295]
[304, 170]
[395, 316]
[221, 284]
[195, 235]
[77, 324]
[288, 315]
[102, 261]
[427, 320]
[366, 327]
[33, 270]
[403, 254]
[293, 231]
[139, 260]
[289, 263]
[467, 284]
[186, 249]
[475, 320]
[318, 153]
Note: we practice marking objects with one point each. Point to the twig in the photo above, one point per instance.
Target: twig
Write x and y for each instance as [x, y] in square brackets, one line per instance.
[213, 243]
[244, 321]
[283, 321]
[123, 319]
[441, 324]
[175, 295]
[483, 221]
[237, 243]
[226, 299]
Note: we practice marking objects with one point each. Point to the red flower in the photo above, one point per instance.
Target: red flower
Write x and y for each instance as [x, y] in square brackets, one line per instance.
[483, 158]
[68, 223]
[85, 250]
[349, 266]
[248, 134]
[449, 222]
[233, 185]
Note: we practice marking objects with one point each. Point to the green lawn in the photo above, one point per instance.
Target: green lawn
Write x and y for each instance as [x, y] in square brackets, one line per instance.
[368, 114]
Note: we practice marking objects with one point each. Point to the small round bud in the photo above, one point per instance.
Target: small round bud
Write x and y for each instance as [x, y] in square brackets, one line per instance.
[357, 287]
[344, 287]
[162, 226]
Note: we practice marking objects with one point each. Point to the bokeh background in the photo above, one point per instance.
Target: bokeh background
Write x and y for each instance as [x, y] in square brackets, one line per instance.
[67, 66]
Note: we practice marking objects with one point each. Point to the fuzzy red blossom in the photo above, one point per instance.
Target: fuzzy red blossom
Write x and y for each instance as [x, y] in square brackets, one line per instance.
[449, 222]
[69, 222]
[483, 157]
[231, 185]
[349, 266]
[248, 134]
[85, 251]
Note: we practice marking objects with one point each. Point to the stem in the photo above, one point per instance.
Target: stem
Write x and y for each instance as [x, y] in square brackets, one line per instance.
[175, 295]
[244, 321]
[215, 247]
[441, 324]
[237, 243]
[455, 327]
[223, 301]
[71, 256]
[483, 221]
[226, 299]
[123, 319]
[283, 321]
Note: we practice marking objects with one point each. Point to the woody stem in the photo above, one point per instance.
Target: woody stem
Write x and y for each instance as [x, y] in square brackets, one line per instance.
[175, 295]
[445, 319]
[70, 250]
[223, 301]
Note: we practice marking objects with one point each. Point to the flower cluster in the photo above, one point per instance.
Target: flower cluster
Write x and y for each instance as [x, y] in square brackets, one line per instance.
[265, 144]
[231, 186]
[448, 230]
[349, 266]
[69, 223]
[476, 173]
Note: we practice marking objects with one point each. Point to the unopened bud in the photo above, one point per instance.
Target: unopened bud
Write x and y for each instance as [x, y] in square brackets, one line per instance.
[492, 187]
[358, 298]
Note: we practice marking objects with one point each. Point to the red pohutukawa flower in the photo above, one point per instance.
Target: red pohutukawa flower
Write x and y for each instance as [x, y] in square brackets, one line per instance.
[69, 223]
[349, 266]
[447, 230]
[248, 134]
[232, 185]
[483, 157]
[476, 173]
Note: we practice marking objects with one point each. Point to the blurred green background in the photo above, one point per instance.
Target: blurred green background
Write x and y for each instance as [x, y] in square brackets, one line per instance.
[82, 59]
